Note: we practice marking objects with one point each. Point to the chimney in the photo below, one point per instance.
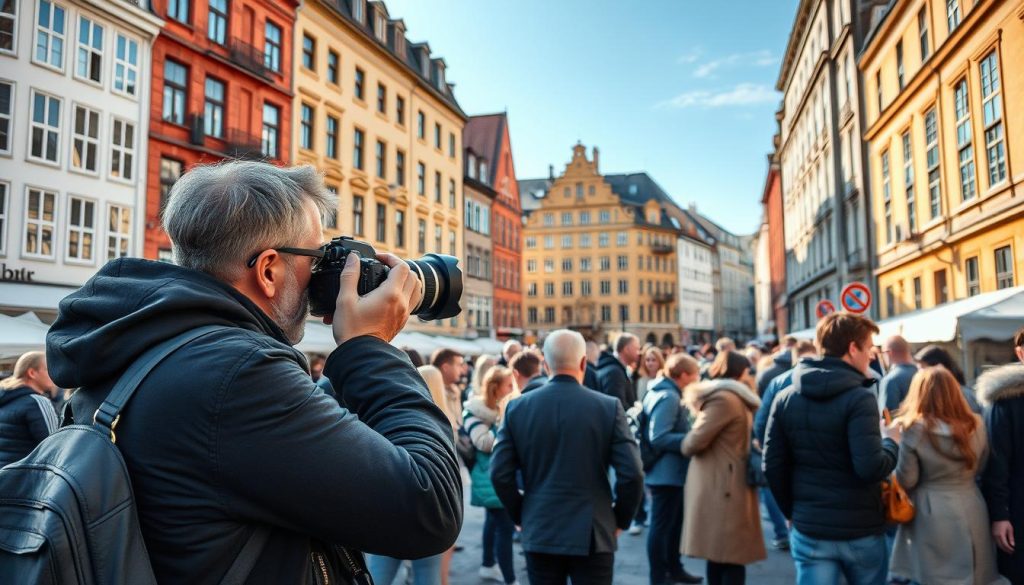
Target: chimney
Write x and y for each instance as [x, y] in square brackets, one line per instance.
[596, 159]
[693, 207]
[551, 172]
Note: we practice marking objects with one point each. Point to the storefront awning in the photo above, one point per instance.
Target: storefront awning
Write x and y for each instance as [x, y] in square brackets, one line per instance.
[16, 296]
[21, 334]
[320, 339]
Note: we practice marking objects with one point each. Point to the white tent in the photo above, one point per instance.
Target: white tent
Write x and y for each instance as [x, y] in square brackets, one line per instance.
[21, 334]
[489, 345]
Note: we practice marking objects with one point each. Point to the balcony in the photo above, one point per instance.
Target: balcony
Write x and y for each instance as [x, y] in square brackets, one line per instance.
[663, 297]
[661, 248]
[241, 144]
[249, 57]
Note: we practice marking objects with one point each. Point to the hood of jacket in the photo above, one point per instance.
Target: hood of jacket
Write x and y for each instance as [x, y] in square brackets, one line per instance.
[826, 378]
[1000, 384]
[8, 396]
[131, 305]
[608, 359]
[664, 384]
[784, 359]
[478, 408]
[699, 392]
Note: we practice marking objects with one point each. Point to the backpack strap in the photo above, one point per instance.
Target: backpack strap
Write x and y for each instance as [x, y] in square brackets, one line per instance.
[246, 559]
[108, 413]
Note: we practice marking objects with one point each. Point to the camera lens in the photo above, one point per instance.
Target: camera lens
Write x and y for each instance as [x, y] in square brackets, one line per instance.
[442, 286]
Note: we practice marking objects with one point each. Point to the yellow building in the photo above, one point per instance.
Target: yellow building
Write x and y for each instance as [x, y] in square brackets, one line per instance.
[375, 113]
[946, 150]
[599, 254]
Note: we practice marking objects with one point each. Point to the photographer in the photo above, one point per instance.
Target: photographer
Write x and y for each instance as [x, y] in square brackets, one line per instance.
[229, 434]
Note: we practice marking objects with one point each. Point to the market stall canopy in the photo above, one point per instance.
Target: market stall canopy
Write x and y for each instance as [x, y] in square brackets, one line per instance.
[320, 339]
[21, 334]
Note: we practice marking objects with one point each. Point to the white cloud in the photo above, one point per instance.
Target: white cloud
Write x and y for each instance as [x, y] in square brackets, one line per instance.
[744, 94]
[756, 58]
[690, 56]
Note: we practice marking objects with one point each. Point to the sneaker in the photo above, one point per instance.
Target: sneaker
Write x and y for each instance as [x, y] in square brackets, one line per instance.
[780, 544]
[493, 573]
[636, 528]
[684, 577]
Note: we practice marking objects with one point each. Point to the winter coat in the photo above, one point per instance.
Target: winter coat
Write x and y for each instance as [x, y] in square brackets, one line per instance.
[26, 418]
[229, 432]
[614, 380]
[721, 518]
[1001, 390]
[894, 385]
[771, 392]
[667, 427]
[479, 421]
[534, 383]
[824, 455]
[782, 362]
[948, 542]
[590, 378]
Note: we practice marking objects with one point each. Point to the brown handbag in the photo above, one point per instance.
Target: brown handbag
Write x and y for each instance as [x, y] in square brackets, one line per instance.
[898, 507]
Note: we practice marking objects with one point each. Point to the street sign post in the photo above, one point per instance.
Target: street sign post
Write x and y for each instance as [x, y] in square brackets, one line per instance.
[825, 308]
[856, 297]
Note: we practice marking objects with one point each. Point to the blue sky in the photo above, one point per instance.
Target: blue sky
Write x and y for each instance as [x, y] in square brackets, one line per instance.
[682, 89]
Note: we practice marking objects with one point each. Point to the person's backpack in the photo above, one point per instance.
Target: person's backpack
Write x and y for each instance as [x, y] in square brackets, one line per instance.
[648, 455]
[465, 448]
[68, 512]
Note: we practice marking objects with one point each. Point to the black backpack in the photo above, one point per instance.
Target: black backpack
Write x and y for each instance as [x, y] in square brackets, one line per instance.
[67, 512]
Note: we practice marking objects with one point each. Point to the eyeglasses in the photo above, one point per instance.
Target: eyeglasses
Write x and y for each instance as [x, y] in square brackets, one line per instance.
[296, 251]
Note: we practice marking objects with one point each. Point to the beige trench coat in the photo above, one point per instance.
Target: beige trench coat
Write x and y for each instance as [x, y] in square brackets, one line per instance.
[721, 520]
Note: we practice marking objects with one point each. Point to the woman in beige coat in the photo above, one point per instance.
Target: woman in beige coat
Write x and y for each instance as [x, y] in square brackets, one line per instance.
[721, 521]
[944, 445]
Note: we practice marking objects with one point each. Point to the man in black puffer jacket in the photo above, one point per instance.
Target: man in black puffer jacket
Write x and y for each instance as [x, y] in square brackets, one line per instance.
[825, 459]
[782, 362]
[612, 376]
[26, 413]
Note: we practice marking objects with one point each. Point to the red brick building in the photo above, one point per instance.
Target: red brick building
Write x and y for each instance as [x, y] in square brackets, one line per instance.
[221, 88]
[489, 135]
[772, 202]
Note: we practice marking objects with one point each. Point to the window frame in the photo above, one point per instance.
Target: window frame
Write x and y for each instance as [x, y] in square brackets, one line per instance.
[964, 140]
[972, 264]
[923, 34]
[45, 127]
[358, 215]
[308, 52]
[175, 88]
[217, 107]
[162, 180]
[886, 173]
[908, 180]
[13, 18]
[933, 162]
[50, 34]
[223, 18]
[82, 230]
[172, 5]
[382, 98]
[381, 156]
[8, 116]
[5, 219]
[400, 229]
[86, 140]
[273, 130]
[333, 68]
[400, 110]
[1010, 268]
[954, 16]
[381, 220]
[992, 101]
[359, 85]
[41, 223]
[272, 57]
[91, 51]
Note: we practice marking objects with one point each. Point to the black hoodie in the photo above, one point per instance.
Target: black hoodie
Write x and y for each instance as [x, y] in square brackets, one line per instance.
[781, 363]
[230, 432]
[824, 455]
[26, 418]
[614, 380]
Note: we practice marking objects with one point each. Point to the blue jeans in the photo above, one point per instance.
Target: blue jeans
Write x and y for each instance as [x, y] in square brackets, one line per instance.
[862, 561]
[498, 530]
[424, 571]
[778, 520]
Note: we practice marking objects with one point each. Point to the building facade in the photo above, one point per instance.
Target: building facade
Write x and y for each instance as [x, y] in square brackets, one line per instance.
[775, 241]
[599, 254]
[221, 87]
[763, 313]
[489, 139]
[947, 151]
[826, 217]
[377, 114]
[478, 273]
[74, 103]
[695, 253]
[732, 279]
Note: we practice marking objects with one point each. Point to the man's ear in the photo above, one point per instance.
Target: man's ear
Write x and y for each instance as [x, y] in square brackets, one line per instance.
[267, 275]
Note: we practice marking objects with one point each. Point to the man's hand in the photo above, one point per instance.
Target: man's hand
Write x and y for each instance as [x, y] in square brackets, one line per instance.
[382, 312]
[1002, 532]
[892, 431]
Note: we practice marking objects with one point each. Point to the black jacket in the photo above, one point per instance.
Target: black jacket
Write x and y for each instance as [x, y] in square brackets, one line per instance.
[667, 427]
[1002, 392]
[824, 455]
[614, 380]
[230, 432]
[535, 382]
[26, 418]
[590, 379]
[781, 363]
[563, 438]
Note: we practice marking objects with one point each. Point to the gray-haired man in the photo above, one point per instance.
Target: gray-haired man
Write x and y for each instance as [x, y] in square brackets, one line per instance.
[229, 433]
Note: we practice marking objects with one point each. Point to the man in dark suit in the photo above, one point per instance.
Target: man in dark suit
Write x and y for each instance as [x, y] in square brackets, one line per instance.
[563, 438]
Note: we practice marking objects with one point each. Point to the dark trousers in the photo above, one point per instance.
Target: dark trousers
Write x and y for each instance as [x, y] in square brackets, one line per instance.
[664, 533]
[726, 574]
[498, 530]
[641, 511]
[595, 569]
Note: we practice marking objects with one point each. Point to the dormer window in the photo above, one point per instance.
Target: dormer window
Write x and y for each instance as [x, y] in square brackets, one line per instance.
[425, 63]
[632, 189]
[381, 28]
[400, 42]
[483, 172]
[440, 76]
[471, 166]
[358, 10]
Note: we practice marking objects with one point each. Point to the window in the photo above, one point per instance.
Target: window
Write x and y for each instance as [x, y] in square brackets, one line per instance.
[330, 219]
[900, 72]
[175, 84]
[357, 149]
[566, 241]
[623, 263]
[421, 179]
[271, 128]
[89, 63]
[122, 150]
[126, 65]
[605, 287]
[400, 110]
[965, 150]
[451, 144]
[584, 218]
[973, 277]
[567, 288]
[213, 109]
[549, 314]
[566, 219]
[437, 136]
[421, 123]
[437, 238]
[400, 168]
[217, 21]
[332, 67]
[308, 52]
[579, 190]
[437, 186]
[119, 231]
[602, 240]
[421, 236]
[50, 35]
[332, 137]
[623, 286]
[81, 232]
[272, 47]
[931, 135]
[531, 242]
[622, 239]
[8, 28]
[531, 266]
[360, 81]
[922, 31]
[487, 263]
[452, 201]
[45, 127]
[605, 263]
[908, 182]
[85, 140]
[992, 114]
[1004, 268]
[604, 216]
[399, 228]
[624, 313]
[382, 222]
[887, 197]
[878, 89]
[531, 315]
[606, 313]
[917, 292]
[178, 10]
[952, 14]
[941, 287]
[549, 265]
[585, 264]
[549, 219]
[584, 240]
[170, 170]
[357, 215]
[381, 153]
[890, 301]
[40, 222]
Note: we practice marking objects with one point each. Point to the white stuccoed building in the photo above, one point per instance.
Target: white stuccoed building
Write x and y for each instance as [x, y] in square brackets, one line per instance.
[696, 286]
[74, 106]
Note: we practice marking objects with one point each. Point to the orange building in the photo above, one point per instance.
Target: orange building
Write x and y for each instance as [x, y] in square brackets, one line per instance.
[221, 88]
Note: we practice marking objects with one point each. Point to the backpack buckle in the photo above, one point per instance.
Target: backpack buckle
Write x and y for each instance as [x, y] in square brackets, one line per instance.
[111, 427]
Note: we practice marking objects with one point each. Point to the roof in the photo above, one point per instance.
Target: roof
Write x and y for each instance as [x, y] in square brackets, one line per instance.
[483, 135]
[529, 189]
[796, 39]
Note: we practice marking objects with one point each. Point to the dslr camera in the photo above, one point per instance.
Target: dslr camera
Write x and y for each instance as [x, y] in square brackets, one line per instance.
[439, 276]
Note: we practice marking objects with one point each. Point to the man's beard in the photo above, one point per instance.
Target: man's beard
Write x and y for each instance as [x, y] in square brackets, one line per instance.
[291, 310]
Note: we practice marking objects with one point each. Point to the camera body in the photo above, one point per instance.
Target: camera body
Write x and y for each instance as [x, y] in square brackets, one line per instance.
[439, 276]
